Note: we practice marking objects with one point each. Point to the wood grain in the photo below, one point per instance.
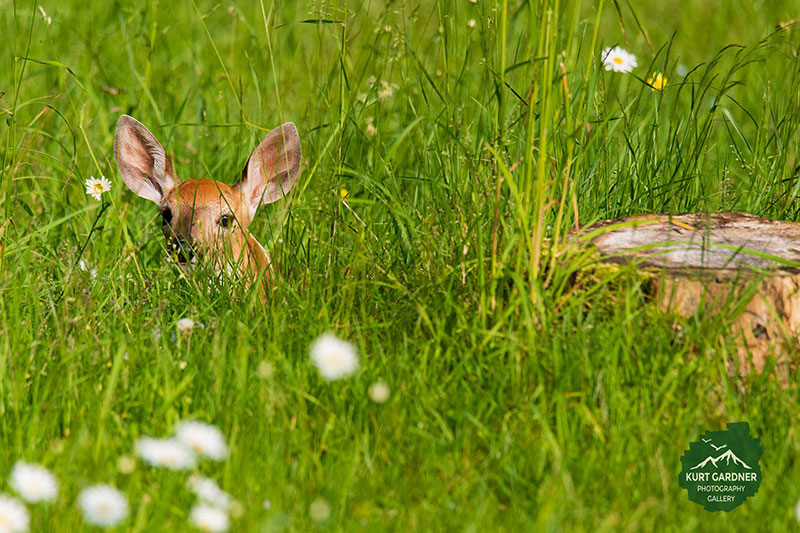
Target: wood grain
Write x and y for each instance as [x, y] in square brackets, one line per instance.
[718, 241]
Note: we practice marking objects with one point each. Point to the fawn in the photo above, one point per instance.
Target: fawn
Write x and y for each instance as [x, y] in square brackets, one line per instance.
[203, 218]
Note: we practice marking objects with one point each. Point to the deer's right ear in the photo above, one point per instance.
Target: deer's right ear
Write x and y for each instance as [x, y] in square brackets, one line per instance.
[141, 160]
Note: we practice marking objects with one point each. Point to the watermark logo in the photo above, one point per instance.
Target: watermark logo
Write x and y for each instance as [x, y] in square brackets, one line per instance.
[721, 470]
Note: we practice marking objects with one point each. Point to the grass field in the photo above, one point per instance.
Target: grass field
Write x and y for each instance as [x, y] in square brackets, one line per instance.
[448, 147]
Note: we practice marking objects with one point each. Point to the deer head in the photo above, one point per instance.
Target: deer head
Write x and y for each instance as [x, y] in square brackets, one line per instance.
[203, 219]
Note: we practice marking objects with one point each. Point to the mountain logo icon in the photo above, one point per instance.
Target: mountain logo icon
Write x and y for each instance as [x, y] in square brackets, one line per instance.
[729, 457]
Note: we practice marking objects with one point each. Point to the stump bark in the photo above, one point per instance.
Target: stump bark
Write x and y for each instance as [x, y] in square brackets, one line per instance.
[707, 261]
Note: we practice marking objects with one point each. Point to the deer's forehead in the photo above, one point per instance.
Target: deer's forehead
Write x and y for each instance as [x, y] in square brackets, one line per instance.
[206, 195]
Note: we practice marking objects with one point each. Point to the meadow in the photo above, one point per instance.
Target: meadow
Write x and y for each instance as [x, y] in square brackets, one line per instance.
[449, 147]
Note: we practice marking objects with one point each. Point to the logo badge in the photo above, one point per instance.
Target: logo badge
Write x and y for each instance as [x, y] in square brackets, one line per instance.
[721, 470]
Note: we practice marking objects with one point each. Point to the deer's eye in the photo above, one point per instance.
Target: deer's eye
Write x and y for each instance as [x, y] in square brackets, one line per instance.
[225, 221]
[166, 216]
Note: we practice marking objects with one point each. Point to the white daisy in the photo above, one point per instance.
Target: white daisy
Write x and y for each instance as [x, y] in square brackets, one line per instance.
[14, 516]
[208, 492]
[185, 325]
[618, 59]
[96, 187]
[209, 518]
[167, 453]
[33, 483]
[334, 357]
[204, 439]
[379, 392]
[103, 505]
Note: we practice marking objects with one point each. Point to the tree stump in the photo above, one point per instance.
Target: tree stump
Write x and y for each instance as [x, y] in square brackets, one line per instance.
[706, 261]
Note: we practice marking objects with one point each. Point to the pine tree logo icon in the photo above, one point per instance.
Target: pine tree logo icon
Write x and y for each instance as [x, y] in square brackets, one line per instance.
[721, 470]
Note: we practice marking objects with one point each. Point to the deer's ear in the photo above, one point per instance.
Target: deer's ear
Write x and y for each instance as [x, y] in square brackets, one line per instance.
[141, 160]
[272, 168]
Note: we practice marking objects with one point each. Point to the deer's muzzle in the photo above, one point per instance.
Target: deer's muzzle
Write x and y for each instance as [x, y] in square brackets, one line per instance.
[183, 251]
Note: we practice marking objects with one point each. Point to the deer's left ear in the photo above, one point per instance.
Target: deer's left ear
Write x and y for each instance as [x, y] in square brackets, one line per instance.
[272, 168]
[142, 161]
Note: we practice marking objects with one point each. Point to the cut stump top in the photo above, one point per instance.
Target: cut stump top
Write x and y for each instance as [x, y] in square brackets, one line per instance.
[716, 241]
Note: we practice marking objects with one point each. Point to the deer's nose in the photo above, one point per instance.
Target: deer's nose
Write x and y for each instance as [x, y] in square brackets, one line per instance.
[183, 250]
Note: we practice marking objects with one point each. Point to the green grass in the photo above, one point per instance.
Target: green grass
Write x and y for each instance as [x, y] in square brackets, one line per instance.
[523, 396]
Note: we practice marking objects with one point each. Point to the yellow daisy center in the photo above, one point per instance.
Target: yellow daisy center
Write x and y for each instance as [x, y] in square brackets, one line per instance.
[98, 188]
[617, 60]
